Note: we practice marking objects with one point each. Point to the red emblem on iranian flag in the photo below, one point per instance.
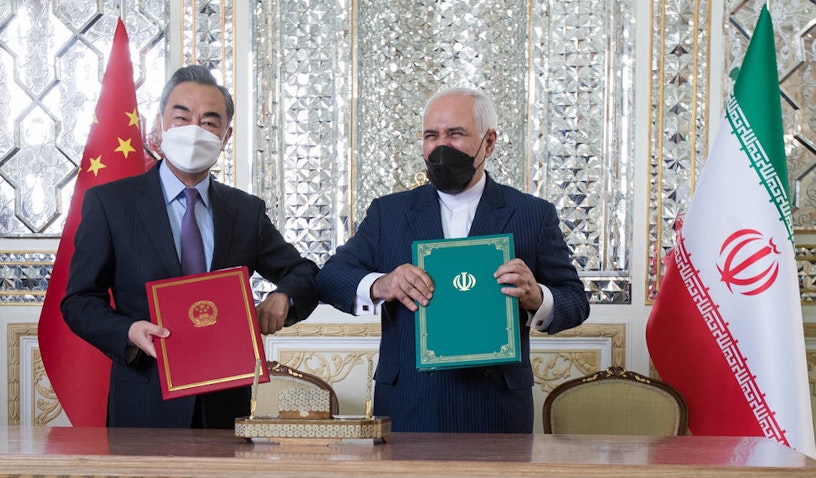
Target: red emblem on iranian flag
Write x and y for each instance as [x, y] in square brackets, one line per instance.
[748, 262]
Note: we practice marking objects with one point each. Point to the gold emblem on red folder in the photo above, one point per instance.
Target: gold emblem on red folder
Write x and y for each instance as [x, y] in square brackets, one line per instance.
[203, 313]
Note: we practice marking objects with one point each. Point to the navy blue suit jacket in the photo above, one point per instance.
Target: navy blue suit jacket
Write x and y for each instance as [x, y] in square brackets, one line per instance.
[123, 241]
[483, 399]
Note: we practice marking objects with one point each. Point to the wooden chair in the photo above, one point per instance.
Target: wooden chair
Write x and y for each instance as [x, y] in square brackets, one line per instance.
[615, 401]
[282, 380]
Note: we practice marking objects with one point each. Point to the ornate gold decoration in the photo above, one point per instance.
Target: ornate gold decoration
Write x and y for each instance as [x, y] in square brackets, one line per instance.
[810, 355]
[371, 329]
[48, 405]
[551, 369]
[420, 179]
[615, 332]
[616, 371]
[14, 332]
[203, 313]
[679, 121]
[332, 367]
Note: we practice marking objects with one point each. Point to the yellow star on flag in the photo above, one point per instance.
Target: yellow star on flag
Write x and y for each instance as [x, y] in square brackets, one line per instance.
[96, 165]
[124, 146]
[134, 118]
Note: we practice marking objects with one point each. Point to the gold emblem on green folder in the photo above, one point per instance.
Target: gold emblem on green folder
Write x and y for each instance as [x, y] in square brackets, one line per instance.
[468, 322]
[464, 281]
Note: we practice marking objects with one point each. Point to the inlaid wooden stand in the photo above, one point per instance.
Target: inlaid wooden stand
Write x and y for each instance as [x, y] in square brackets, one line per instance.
[298, 431]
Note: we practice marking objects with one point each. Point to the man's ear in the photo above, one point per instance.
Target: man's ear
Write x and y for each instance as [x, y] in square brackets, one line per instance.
[490, 141]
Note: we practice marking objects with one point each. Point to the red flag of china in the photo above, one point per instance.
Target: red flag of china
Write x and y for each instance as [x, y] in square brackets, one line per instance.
[78, 372]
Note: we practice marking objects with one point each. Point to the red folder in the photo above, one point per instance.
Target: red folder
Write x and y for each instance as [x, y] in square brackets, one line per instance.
[215, 341]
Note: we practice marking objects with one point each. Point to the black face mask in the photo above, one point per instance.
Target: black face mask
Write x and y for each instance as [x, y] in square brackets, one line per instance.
[449, 169]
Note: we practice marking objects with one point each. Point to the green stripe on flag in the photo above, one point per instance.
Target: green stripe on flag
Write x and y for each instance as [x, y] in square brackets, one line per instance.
[765, 169]
[757, 92]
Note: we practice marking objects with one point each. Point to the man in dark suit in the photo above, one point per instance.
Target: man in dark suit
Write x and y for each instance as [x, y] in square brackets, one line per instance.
[131, 233]
[373, 272]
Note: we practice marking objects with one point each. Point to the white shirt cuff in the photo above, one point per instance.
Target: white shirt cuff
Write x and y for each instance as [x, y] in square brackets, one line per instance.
[543, 316]
[363, 305]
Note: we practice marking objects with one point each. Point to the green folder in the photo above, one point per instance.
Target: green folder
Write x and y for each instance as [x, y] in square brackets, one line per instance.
[468, 322]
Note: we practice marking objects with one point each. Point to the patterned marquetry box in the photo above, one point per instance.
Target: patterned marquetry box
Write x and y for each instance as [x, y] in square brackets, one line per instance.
[313, 431]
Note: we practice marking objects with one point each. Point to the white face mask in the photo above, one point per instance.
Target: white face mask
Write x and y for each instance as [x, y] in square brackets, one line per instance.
[191, 148]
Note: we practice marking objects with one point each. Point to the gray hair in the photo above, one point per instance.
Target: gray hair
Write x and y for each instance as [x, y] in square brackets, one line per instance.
[484, 113]
[200, 75]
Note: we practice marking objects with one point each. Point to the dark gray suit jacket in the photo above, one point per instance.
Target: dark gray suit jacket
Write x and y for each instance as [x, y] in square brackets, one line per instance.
[123, 241]
[482, 399]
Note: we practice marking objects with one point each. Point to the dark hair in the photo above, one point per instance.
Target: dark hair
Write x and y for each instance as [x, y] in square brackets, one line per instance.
[200, 75]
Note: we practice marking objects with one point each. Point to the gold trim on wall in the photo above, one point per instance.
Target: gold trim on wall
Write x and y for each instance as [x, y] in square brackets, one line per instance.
[188, 18]
[684, 126]
[615, 332]
[15, 332]
[368, 329]
[333, 365]
[44, 399]
[17, 259]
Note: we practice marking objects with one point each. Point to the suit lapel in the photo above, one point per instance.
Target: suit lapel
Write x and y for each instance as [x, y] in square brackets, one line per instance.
[152, 211]
[424, 216]
[492, 213]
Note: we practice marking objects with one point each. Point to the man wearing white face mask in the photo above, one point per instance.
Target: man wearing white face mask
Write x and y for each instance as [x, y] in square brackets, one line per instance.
[191, 148]
[131, 233]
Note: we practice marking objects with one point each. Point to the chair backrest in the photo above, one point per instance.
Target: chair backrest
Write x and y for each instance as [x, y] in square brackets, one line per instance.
[282, 381]
[615, 401]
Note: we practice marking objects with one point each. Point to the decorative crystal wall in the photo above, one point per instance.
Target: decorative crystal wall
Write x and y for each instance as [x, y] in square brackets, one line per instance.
[208, 39]
[405, 54]
[303, 137]
[795, 28]
[679, 121]
[52, 58]
[582, 134]
[24, 277]
[680, 105]
[342, 86]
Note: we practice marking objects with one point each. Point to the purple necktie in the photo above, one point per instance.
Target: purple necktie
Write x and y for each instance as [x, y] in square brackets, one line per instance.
[192, 247]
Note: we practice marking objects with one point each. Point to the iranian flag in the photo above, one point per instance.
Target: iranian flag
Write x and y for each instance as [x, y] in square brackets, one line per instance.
[726, 328]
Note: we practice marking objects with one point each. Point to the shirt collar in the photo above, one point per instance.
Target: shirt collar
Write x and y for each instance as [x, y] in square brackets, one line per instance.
[173, 186]
[468, 196]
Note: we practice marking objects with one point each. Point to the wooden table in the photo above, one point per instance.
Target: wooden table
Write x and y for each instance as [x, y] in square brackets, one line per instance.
[67, 451]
